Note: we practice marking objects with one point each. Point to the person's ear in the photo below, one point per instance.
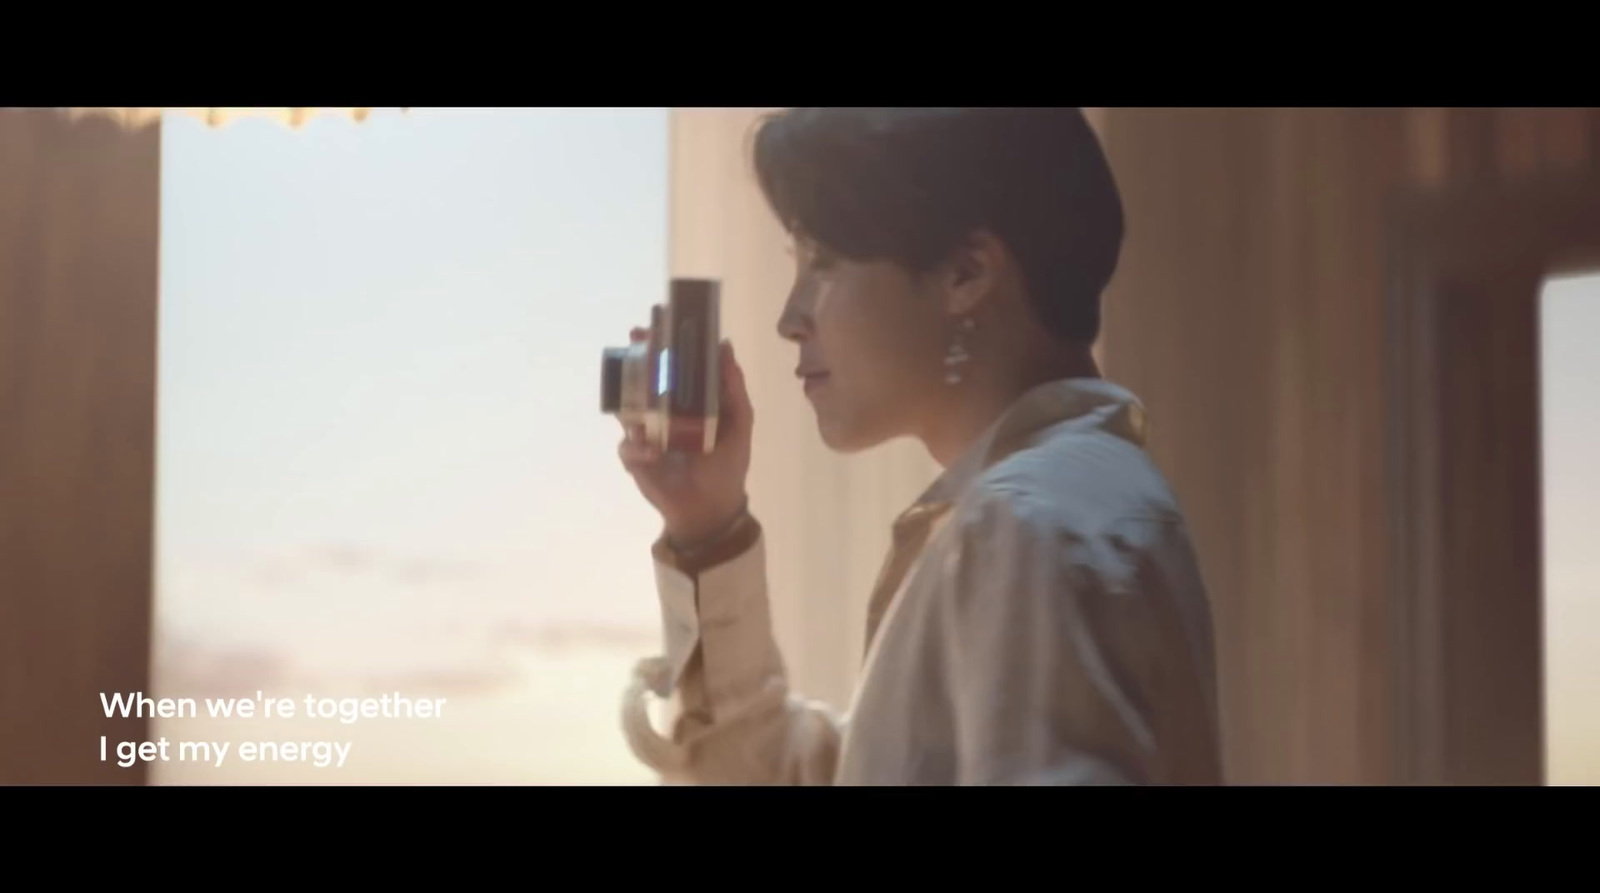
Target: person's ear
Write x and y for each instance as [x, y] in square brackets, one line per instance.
[974, 273]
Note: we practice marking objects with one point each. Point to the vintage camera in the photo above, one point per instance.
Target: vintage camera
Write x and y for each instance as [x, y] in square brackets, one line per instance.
[669, 384]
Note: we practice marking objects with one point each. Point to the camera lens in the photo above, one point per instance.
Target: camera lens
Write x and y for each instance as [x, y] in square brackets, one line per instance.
[611, 379]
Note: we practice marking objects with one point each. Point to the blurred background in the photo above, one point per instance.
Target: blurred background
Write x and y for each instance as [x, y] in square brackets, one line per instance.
[314, 409]
[381, 461]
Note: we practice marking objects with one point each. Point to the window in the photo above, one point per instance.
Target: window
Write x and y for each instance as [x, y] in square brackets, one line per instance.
[1570, 380]
[381, 466]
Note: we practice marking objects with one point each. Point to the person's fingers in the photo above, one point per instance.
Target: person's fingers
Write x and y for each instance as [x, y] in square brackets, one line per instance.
[736, 409]
[638, 457]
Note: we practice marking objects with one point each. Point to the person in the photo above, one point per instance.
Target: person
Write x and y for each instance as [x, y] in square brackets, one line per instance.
[1040, 618]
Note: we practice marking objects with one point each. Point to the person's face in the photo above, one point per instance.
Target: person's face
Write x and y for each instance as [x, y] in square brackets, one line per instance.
[871, 339]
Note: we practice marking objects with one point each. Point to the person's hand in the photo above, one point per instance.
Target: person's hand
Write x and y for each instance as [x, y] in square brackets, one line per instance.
[697, 495]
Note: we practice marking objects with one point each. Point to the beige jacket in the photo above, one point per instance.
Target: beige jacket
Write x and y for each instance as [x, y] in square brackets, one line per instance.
[1040, 619]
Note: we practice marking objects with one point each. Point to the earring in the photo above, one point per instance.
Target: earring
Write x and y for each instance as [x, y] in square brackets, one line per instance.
[956, 357]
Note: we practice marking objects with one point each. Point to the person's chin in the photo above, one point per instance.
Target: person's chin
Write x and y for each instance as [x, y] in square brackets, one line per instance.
[843, 438]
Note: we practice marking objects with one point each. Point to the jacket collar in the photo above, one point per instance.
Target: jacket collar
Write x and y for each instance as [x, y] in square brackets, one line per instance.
[1088, 402]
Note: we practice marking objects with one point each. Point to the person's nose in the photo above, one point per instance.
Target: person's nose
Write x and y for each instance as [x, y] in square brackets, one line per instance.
[794, 324]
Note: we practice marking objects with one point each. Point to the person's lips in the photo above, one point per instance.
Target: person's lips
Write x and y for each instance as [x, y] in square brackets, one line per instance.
[812, 378]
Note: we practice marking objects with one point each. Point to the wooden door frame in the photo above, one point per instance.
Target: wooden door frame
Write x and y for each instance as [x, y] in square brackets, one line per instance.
[1438, 244]
[80, 204]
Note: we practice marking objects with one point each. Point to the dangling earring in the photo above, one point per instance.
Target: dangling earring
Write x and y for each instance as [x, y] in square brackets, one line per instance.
[956, 357]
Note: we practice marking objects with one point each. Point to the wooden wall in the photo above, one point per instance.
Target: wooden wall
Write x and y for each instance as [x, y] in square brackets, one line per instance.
[1250, 314]
[79, 229]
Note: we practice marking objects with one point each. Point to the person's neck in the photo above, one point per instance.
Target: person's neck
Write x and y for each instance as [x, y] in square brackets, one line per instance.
[978, 401]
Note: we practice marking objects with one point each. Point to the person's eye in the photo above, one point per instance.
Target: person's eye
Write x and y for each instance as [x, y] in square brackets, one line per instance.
[801, 256]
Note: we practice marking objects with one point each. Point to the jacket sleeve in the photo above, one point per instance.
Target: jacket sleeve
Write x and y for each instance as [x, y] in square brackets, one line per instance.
[1052, 673]
[734, 719]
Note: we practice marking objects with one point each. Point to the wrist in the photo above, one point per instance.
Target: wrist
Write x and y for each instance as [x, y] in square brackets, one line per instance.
[694, 535]
[744, 532]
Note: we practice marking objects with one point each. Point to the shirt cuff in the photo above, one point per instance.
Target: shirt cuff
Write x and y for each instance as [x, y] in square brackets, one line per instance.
[692, 600]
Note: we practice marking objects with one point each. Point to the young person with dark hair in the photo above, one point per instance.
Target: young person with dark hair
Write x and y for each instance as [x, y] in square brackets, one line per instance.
[1040, 618]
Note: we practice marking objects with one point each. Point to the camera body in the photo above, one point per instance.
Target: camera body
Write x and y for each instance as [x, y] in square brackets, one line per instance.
[669, 385]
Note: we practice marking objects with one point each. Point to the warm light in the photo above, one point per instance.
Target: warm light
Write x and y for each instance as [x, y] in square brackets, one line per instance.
[1571, 435]
[217, 117]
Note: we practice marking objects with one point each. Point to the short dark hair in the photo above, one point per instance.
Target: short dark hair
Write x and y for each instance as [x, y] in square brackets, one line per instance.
[909, 185]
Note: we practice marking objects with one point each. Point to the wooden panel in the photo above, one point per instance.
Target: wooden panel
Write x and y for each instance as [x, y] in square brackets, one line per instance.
[1519, 137]
[1251, 314]
[1466, 455]
[1427, 132]
[1491, 629]
[1566, 139]
[1248, 313]
[1508, 145]
[1474, 146]
[79, 229]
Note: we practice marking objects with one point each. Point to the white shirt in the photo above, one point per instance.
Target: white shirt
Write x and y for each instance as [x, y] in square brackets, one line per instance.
[1040, 620]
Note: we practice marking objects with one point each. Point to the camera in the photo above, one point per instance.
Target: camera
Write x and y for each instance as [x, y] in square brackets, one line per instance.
[669, 383]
